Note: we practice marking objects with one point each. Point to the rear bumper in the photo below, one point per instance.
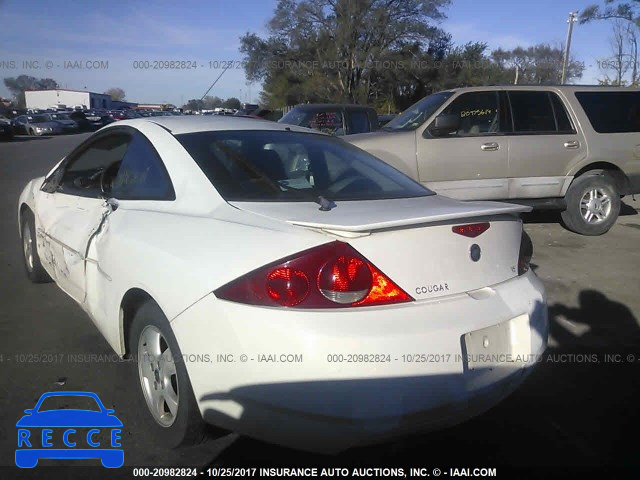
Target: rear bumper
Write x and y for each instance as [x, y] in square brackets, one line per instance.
[300, 379]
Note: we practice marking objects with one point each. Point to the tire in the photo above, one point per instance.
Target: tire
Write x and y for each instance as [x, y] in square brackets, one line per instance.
[35, 270]
[151, 334]
[593, 204]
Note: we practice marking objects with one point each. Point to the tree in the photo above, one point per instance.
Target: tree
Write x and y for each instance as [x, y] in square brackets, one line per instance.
[334, 50]
[117, 94]
[540, 64]
[625, 31]
[18, 85]
[209, 103]
[233, 103]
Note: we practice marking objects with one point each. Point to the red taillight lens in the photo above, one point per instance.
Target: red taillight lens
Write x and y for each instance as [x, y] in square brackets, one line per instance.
[345, 280]
[471, 230]
[329, 276]
[287, 286]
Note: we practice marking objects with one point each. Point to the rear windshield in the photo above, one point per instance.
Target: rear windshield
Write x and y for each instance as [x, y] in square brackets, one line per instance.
[612, 112]
[268, 165]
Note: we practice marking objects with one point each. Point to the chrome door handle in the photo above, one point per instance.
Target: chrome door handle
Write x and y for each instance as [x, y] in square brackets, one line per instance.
[487, 147]
[572, 144]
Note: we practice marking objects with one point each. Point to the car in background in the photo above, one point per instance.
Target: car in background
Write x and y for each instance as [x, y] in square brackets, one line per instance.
[63, 118]
[36, 125]
[99, 119]
[6, 129]
[335, 119]
[571, 148]
[290, 241]
[84, 125]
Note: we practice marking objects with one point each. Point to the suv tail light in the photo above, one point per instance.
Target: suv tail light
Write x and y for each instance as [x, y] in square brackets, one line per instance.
[332, 275]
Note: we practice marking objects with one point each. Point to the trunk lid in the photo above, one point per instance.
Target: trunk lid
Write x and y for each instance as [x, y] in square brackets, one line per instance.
[412, 242]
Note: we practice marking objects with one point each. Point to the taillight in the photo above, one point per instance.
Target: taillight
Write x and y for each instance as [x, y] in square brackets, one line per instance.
[525, 254]
[471, 230]
[329, 276]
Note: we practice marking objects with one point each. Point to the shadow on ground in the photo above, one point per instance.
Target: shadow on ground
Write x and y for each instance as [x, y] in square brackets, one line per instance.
[577, 409]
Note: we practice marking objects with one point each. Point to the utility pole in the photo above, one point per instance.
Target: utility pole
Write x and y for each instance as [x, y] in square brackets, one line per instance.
[573, 17]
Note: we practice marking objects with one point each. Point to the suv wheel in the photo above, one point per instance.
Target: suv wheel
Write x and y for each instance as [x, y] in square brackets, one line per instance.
[593, 204]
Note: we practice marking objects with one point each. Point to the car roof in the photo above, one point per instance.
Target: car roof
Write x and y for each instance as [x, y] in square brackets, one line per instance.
[321, 106]
[548, 87]
[203, 123]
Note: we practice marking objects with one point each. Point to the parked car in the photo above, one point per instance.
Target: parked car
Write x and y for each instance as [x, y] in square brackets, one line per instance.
[36, 125]
[335, 119]
[284, 242]
[6, 129]
[63, 118]
[572, 148]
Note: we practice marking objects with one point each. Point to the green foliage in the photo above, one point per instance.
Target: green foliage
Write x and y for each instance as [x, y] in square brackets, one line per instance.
[18, 85]
[387, 54]
[117, 94]
[539, 64]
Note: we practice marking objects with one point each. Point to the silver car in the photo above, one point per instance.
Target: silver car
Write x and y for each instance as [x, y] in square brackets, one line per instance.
[36, 125]
[573, 148]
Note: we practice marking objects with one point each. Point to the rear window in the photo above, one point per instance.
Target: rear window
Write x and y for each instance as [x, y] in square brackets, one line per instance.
[612, 112]
[291, 166]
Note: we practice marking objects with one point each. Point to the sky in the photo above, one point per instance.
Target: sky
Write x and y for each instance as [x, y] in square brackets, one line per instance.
[99, 45]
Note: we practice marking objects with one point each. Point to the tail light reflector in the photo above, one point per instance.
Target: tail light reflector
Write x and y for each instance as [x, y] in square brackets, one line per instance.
[332, 275]
[471, 230]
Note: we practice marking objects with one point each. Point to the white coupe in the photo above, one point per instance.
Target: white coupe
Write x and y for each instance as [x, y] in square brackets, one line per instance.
[283, 284]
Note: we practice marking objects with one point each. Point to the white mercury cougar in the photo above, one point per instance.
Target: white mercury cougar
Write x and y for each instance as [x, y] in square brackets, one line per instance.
[280, 283]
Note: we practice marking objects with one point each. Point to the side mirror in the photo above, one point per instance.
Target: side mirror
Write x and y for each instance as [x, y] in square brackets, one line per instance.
[445, 124]
[29, 411]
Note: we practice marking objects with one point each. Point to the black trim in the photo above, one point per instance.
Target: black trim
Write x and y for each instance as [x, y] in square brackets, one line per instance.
[633, 185]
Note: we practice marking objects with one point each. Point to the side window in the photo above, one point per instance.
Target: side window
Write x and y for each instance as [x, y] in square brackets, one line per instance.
[142, 175]
[478, 113]
[359, 122]
[562, 118]
[612, 112]
[532, 112]
[328, 122]
[83, 171]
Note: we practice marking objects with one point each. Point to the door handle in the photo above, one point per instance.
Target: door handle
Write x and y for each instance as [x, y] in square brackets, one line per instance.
[572, 144]
[488, 147]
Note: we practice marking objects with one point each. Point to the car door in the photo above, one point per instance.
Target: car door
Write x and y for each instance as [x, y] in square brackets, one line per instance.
[73, 207]
[543, 144]
[471, 162]
[140, 180]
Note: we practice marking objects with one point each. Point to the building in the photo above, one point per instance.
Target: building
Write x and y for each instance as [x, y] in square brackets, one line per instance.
[62, 98]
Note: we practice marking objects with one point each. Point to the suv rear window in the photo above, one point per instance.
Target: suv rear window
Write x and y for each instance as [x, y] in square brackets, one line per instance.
[612, 112]
[267, 165]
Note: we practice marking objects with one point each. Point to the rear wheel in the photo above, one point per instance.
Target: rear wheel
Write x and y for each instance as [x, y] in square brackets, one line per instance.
[166, 399]
[593, 204]
[35, 270]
